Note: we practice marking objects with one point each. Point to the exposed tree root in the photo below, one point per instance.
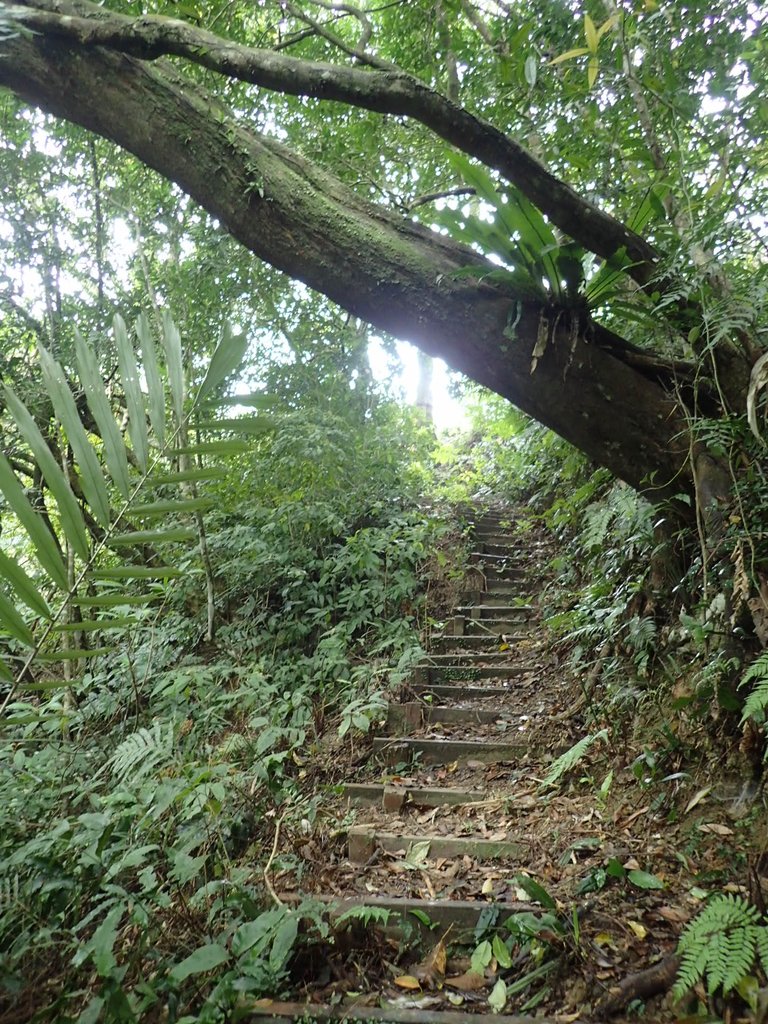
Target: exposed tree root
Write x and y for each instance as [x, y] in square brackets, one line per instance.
[642, 985]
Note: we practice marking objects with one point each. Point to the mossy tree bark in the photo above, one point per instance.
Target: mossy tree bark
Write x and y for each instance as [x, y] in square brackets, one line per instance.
[617, 404]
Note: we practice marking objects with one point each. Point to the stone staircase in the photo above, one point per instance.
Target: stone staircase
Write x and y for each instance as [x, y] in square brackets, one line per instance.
[454, 745]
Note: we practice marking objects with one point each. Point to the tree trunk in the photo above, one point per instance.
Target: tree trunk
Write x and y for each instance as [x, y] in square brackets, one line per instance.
[588, 385]
[424, 386]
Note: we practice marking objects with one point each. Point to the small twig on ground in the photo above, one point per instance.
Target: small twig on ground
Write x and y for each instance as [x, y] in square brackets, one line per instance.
[268, 865]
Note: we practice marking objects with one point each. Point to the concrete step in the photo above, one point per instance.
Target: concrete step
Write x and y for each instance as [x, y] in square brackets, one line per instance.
[491, 559]
[486, 610]
[394, 798]
[468, 673]
[493, 596]
[393, 749]
[363, 840]
[279, 1012]
[469, 658]
[492, 626]
[440, 643]
[462, 914]
[412, 715]
[460, 691]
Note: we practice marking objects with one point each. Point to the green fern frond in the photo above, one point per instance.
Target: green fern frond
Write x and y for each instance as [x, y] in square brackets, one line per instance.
[142, 752]
[756, 704]
[597, 522]
[720, 945]
[109, 486]
[563, 764]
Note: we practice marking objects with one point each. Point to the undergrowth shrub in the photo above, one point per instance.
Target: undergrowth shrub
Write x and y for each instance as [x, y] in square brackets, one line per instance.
[138, 809]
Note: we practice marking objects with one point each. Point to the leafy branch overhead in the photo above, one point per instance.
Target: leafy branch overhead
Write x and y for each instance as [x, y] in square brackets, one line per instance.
[109, 499]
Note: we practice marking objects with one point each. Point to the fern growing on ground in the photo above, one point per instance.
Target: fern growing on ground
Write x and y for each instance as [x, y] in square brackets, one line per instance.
[757, 701]
[721, 945]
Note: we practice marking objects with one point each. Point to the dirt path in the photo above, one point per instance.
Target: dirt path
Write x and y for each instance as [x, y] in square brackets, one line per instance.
[501, 883]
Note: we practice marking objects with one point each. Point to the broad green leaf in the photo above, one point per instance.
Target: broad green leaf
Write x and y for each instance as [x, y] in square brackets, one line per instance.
[186, 476]
[227, 446]
[74, 654]
[45, 546]
[590, 34]
[203, 959]
[497, 999]
[43, 685]
[481, 957]
[12, 622]
[24, 587]
[92, 625]
[251, 400]
[243, 425]
[537, 892]
[152, 536]
[579, 51]
[227, 358]
[86, 460]
[113, 600]
[72, 522]
[139, 572]
[114, 448]
[257, 932]
[151, 366]
[593, 68]
[173, 361]
[531, 70]
[5, 673]
[49, 684]
[134, 400]
[166, 508]
[283, 942]
[644, 880]
[101, 943]
[500, 952]
[607, 25]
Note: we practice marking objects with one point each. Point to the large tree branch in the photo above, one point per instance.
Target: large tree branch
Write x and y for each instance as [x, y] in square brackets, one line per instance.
[386, 270]
[383, 91]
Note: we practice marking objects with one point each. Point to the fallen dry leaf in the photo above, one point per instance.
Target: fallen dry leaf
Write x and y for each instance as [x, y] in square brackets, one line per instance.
[697, 798]
[469, 982]
[432, 970]
[640, 930]
[407, 981]
[715, 829]
[673, 914]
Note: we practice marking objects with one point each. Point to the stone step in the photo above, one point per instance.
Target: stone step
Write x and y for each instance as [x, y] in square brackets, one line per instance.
[494, 536]
[469, 673]
[460, 691]
[495, 611]
[407, 718]
[462, 914]
[493, 597]
[468, 658]
[391, 750]
[425, 674]
[510, 560]
[491, 626]
[364, 840]
[279, 1012]
[394, 798]
[439, 642]
[460, 626]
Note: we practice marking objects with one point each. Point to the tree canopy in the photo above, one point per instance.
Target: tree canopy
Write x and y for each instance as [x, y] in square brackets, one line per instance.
[564, 201]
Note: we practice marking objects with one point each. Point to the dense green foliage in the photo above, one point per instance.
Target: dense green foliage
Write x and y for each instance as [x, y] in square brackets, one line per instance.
[134, 803]
[159, 740]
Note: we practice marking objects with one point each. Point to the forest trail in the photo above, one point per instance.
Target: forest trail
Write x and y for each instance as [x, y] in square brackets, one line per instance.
[529, 892]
